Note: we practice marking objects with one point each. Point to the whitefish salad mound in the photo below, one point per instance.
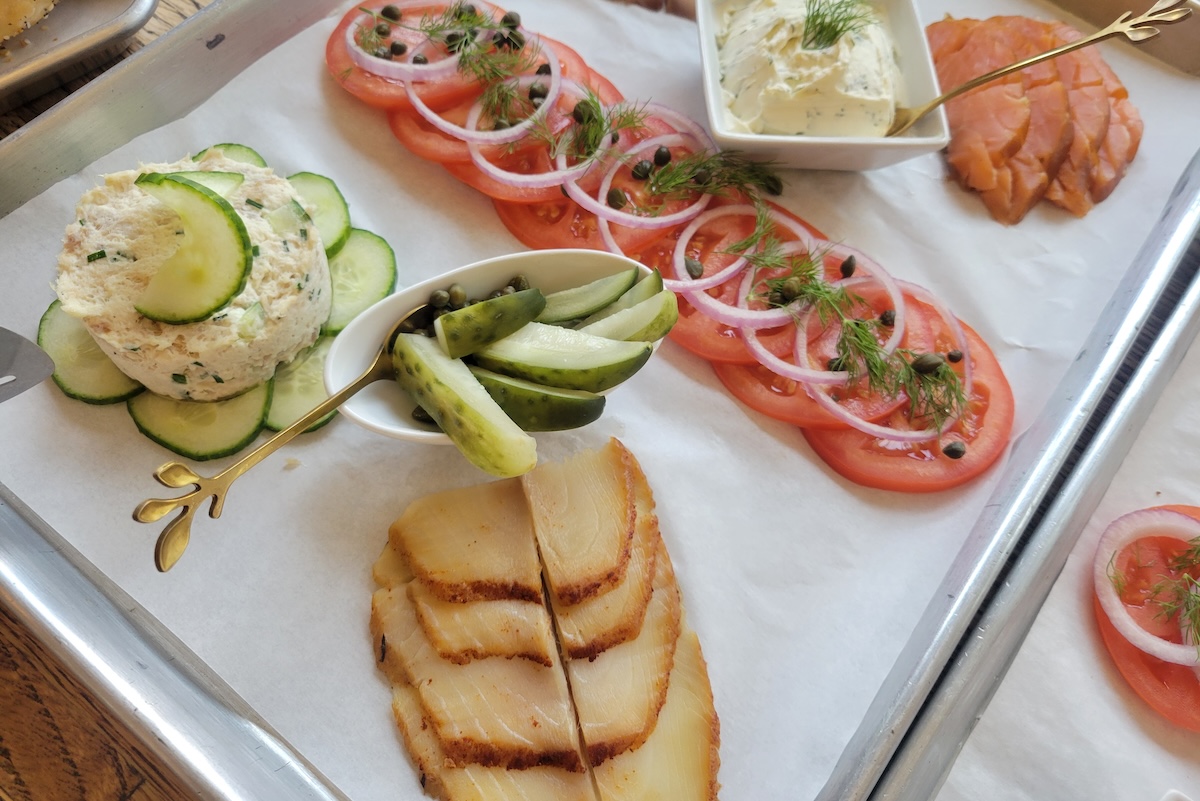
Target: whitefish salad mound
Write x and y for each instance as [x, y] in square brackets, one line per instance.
[810, 67]
[122, 235]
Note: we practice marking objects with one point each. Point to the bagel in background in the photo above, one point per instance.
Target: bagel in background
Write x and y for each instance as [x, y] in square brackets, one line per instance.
[17, 16]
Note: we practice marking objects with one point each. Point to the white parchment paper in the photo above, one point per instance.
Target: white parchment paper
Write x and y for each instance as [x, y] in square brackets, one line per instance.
[803, 587]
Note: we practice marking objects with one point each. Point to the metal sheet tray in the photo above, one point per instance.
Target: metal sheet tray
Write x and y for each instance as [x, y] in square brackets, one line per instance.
[204, 733]
[72, 39]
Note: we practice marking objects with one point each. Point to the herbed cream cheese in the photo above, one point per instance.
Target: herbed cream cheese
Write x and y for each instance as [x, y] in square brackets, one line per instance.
[773, 84]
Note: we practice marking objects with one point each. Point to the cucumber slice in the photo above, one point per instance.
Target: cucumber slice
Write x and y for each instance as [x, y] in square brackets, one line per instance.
[235, 152]
[580, 301]
[362, 273]
[535, 407]
[212, 262]
[445, 388]
[299, 386]
[648, 321]
[466, 330]
[199, 430]
[565, 358]
[645, 289]
[330, 211]
[81, 370]
[223, 183]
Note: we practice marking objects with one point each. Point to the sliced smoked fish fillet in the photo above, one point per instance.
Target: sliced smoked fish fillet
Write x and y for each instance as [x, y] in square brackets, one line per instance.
[988, 124]
[445, 780]
[498, 712]
[472, 544]
[1024, 177]
[598, 623]
[679, 760]
[618, 694]
[583, 516]
[1124, 133]
[461, 632]
[1091, 113]
[508, 628]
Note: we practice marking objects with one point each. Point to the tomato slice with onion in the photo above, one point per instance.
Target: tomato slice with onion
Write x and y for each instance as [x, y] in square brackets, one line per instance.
[786, 400]
[562, 223]
[384, 93]
[984, 428]
[1171, 690]
[694, 331]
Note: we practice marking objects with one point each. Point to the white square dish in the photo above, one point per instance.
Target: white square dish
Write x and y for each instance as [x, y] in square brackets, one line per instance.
[853, 153]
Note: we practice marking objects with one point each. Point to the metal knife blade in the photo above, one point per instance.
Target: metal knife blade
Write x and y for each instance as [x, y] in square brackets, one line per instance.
[22, 364]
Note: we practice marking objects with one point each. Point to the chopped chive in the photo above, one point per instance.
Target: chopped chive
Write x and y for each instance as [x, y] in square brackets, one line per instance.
[179, 378]
[252, 202]
[99, 254]
[254, 250]
[304, 233]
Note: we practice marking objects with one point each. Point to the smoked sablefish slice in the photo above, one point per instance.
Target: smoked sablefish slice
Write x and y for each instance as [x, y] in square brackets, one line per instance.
[583, 516]
[462, 722]
[472, 544]
[512, 713]
[611, 618]
[460, 632]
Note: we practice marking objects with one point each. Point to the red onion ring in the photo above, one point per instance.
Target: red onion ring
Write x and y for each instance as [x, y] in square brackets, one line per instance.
[1122, 532]
[506, 135]
[535, 181]
[405, 71]
[596, 204]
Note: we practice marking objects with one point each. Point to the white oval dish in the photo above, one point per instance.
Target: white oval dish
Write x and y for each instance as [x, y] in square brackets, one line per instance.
[386, 409]
[913, 57]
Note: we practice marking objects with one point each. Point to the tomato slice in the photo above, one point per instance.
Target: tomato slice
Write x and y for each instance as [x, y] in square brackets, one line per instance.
[695, 331]
[786, 400]
[885, 464]
[1172, 691]
[388, 94]
[562, 223]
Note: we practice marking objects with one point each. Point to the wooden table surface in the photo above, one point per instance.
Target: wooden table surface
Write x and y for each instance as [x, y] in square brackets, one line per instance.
[56, 742]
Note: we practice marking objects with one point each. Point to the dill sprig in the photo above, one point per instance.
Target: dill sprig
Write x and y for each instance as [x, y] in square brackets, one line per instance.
[827, 21]
[716, 173]
[932, 386]
[593, 130]
[1176, 594]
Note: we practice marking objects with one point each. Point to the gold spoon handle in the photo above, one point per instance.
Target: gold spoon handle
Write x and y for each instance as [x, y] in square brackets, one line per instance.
[1136, 29]
[174, 538]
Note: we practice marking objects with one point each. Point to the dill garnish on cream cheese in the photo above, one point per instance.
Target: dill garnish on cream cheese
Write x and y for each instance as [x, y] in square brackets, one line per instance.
[811, 67]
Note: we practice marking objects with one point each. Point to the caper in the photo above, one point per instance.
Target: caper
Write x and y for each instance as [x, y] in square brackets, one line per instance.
[583, 113]
[495, 294]
[616, 198]
[383, 29]
[519, 282]
[398, 48]
[954, 356]
[464, 10]
[513, 40]
[927, 363]
[956, 449]
[693, 266]
[455, 41]
[792, 287]
[511, 20]
[439, 298]
[420, 59]
[381, 52]
[614, 137]
[458, 295]
[538, 91]
[500, 124]
[701, 176]
[543, 69]
[835, 365]
[642, 169]
[888, 317]
[775, 298]
[662, 156]
[772, 184]
[848, 266]
[390, 12]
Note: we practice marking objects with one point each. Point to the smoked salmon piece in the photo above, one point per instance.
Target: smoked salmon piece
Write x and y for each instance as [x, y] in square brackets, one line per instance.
[988, 124]
[1124, 133]
[1071, 143]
